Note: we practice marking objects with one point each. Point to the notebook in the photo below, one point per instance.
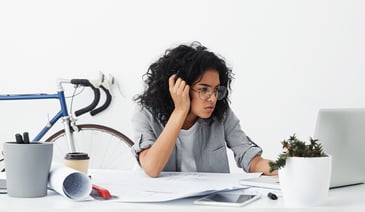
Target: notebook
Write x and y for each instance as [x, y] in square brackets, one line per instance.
[341, 131]
[271, 182]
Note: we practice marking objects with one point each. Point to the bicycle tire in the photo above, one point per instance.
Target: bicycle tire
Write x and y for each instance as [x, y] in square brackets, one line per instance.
[107, 147]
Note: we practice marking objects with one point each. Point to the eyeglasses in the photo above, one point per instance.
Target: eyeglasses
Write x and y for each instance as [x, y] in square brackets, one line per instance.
[206, 92]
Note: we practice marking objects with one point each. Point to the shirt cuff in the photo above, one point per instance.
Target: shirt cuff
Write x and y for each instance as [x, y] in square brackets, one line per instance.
[250, 154]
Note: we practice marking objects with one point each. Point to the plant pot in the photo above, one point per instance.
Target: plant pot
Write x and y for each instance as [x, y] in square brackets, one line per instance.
[305, 181]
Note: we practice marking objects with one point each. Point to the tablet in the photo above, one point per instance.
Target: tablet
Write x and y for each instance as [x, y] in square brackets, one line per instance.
[227, 199]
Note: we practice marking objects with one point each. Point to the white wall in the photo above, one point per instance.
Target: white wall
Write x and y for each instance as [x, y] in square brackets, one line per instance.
[290, 57]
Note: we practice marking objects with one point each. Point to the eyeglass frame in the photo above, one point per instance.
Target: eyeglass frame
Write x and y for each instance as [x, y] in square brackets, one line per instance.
[216, 91]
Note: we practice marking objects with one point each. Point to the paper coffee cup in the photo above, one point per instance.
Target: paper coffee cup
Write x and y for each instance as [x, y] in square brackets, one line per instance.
[78, 161]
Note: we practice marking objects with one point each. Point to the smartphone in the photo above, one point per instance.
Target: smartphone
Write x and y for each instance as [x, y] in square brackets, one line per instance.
[227, 199]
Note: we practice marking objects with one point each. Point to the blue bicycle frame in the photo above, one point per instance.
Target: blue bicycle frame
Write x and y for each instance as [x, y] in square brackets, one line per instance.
[63, 112]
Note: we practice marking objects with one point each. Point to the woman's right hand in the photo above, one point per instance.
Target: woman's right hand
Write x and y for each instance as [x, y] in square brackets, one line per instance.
[154, 159]
[179, 92]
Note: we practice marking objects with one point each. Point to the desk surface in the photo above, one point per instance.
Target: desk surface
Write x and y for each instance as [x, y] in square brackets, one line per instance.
[351, 197]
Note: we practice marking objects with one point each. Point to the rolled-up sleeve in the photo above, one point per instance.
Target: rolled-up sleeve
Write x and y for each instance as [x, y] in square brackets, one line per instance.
[144, 134]
[243, 147]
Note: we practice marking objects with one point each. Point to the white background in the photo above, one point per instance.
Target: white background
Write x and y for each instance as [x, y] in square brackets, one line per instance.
[290, 58]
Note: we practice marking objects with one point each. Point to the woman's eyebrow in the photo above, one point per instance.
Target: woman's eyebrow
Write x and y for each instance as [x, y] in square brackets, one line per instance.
[206, 85]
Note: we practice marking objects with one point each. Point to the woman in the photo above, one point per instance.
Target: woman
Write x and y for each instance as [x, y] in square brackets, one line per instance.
[184, 122]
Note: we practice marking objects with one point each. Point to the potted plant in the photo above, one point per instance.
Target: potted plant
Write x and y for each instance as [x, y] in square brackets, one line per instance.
[304, 172]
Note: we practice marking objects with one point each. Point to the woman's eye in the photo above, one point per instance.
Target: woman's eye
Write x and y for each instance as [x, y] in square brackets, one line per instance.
[204, 90]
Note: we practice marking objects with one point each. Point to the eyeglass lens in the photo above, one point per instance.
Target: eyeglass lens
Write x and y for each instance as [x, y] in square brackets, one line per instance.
[219, 92]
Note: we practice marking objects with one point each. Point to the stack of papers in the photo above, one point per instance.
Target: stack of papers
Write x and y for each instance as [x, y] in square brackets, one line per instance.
[136, 186]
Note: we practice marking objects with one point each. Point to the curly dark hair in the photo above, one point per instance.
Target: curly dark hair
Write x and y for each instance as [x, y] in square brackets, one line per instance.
[191, 61]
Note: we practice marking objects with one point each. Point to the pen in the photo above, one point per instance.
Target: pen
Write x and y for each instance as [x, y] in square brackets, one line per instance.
[272, 196]
[18, 139]
[26, 137]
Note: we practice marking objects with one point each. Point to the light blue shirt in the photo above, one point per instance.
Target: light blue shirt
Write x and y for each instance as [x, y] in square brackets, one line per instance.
[210, 141]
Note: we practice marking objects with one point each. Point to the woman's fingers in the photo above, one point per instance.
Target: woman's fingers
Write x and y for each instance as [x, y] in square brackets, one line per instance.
[177, 86]
[179, 92]
[172, 81]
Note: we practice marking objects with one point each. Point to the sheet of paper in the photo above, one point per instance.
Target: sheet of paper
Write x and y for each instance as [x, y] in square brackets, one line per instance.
[136, 186]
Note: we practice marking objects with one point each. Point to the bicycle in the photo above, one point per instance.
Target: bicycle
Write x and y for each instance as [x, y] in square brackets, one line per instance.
[80, 137]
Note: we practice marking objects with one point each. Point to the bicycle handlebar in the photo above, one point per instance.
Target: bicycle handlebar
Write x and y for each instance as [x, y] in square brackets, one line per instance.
[106, 103]
[91, 108]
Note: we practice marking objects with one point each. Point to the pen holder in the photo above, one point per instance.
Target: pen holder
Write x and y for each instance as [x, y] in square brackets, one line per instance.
[27, 168]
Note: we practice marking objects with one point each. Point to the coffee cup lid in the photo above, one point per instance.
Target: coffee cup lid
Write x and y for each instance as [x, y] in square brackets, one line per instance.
[76, 156]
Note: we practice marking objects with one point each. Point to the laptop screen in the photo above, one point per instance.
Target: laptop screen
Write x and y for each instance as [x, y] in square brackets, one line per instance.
[342, 134]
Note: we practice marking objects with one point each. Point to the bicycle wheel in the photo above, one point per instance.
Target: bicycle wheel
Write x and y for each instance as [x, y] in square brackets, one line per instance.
[107, 148]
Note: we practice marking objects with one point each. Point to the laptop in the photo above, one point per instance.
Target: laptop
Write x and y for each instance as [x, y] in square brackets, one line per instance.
[342, 134]
[341, 131]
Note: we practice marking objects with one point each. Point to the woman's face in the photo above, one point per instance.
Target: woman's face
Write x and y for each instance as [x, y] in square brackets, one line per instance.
[203, 95]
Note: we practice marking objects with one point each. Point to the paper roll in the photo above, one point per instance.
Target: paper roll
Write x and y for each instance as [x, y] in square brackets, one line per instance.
[70, 183]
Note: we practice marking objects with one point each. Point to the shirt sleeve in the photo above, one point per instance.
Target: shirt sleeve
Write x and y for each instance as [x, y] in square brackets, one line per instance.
[243, 147]
[144, 130]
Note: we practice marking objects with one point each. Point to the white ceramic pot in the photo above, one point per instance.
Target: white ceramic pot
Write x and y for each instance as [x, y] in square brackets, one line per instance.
[305, 181]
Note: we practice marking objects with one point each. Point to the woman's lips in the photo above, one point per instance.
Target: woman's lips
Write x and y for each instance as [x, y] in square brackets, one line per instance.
[209, 109]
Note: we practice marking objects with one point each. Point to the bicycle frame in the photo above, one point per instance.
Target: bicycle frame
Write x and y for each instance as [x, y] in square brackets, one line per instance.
[62, 113]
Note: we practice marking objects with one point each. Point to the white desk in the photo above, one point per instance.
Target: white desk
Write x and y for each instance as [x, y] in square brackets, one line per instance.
[350, 198]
